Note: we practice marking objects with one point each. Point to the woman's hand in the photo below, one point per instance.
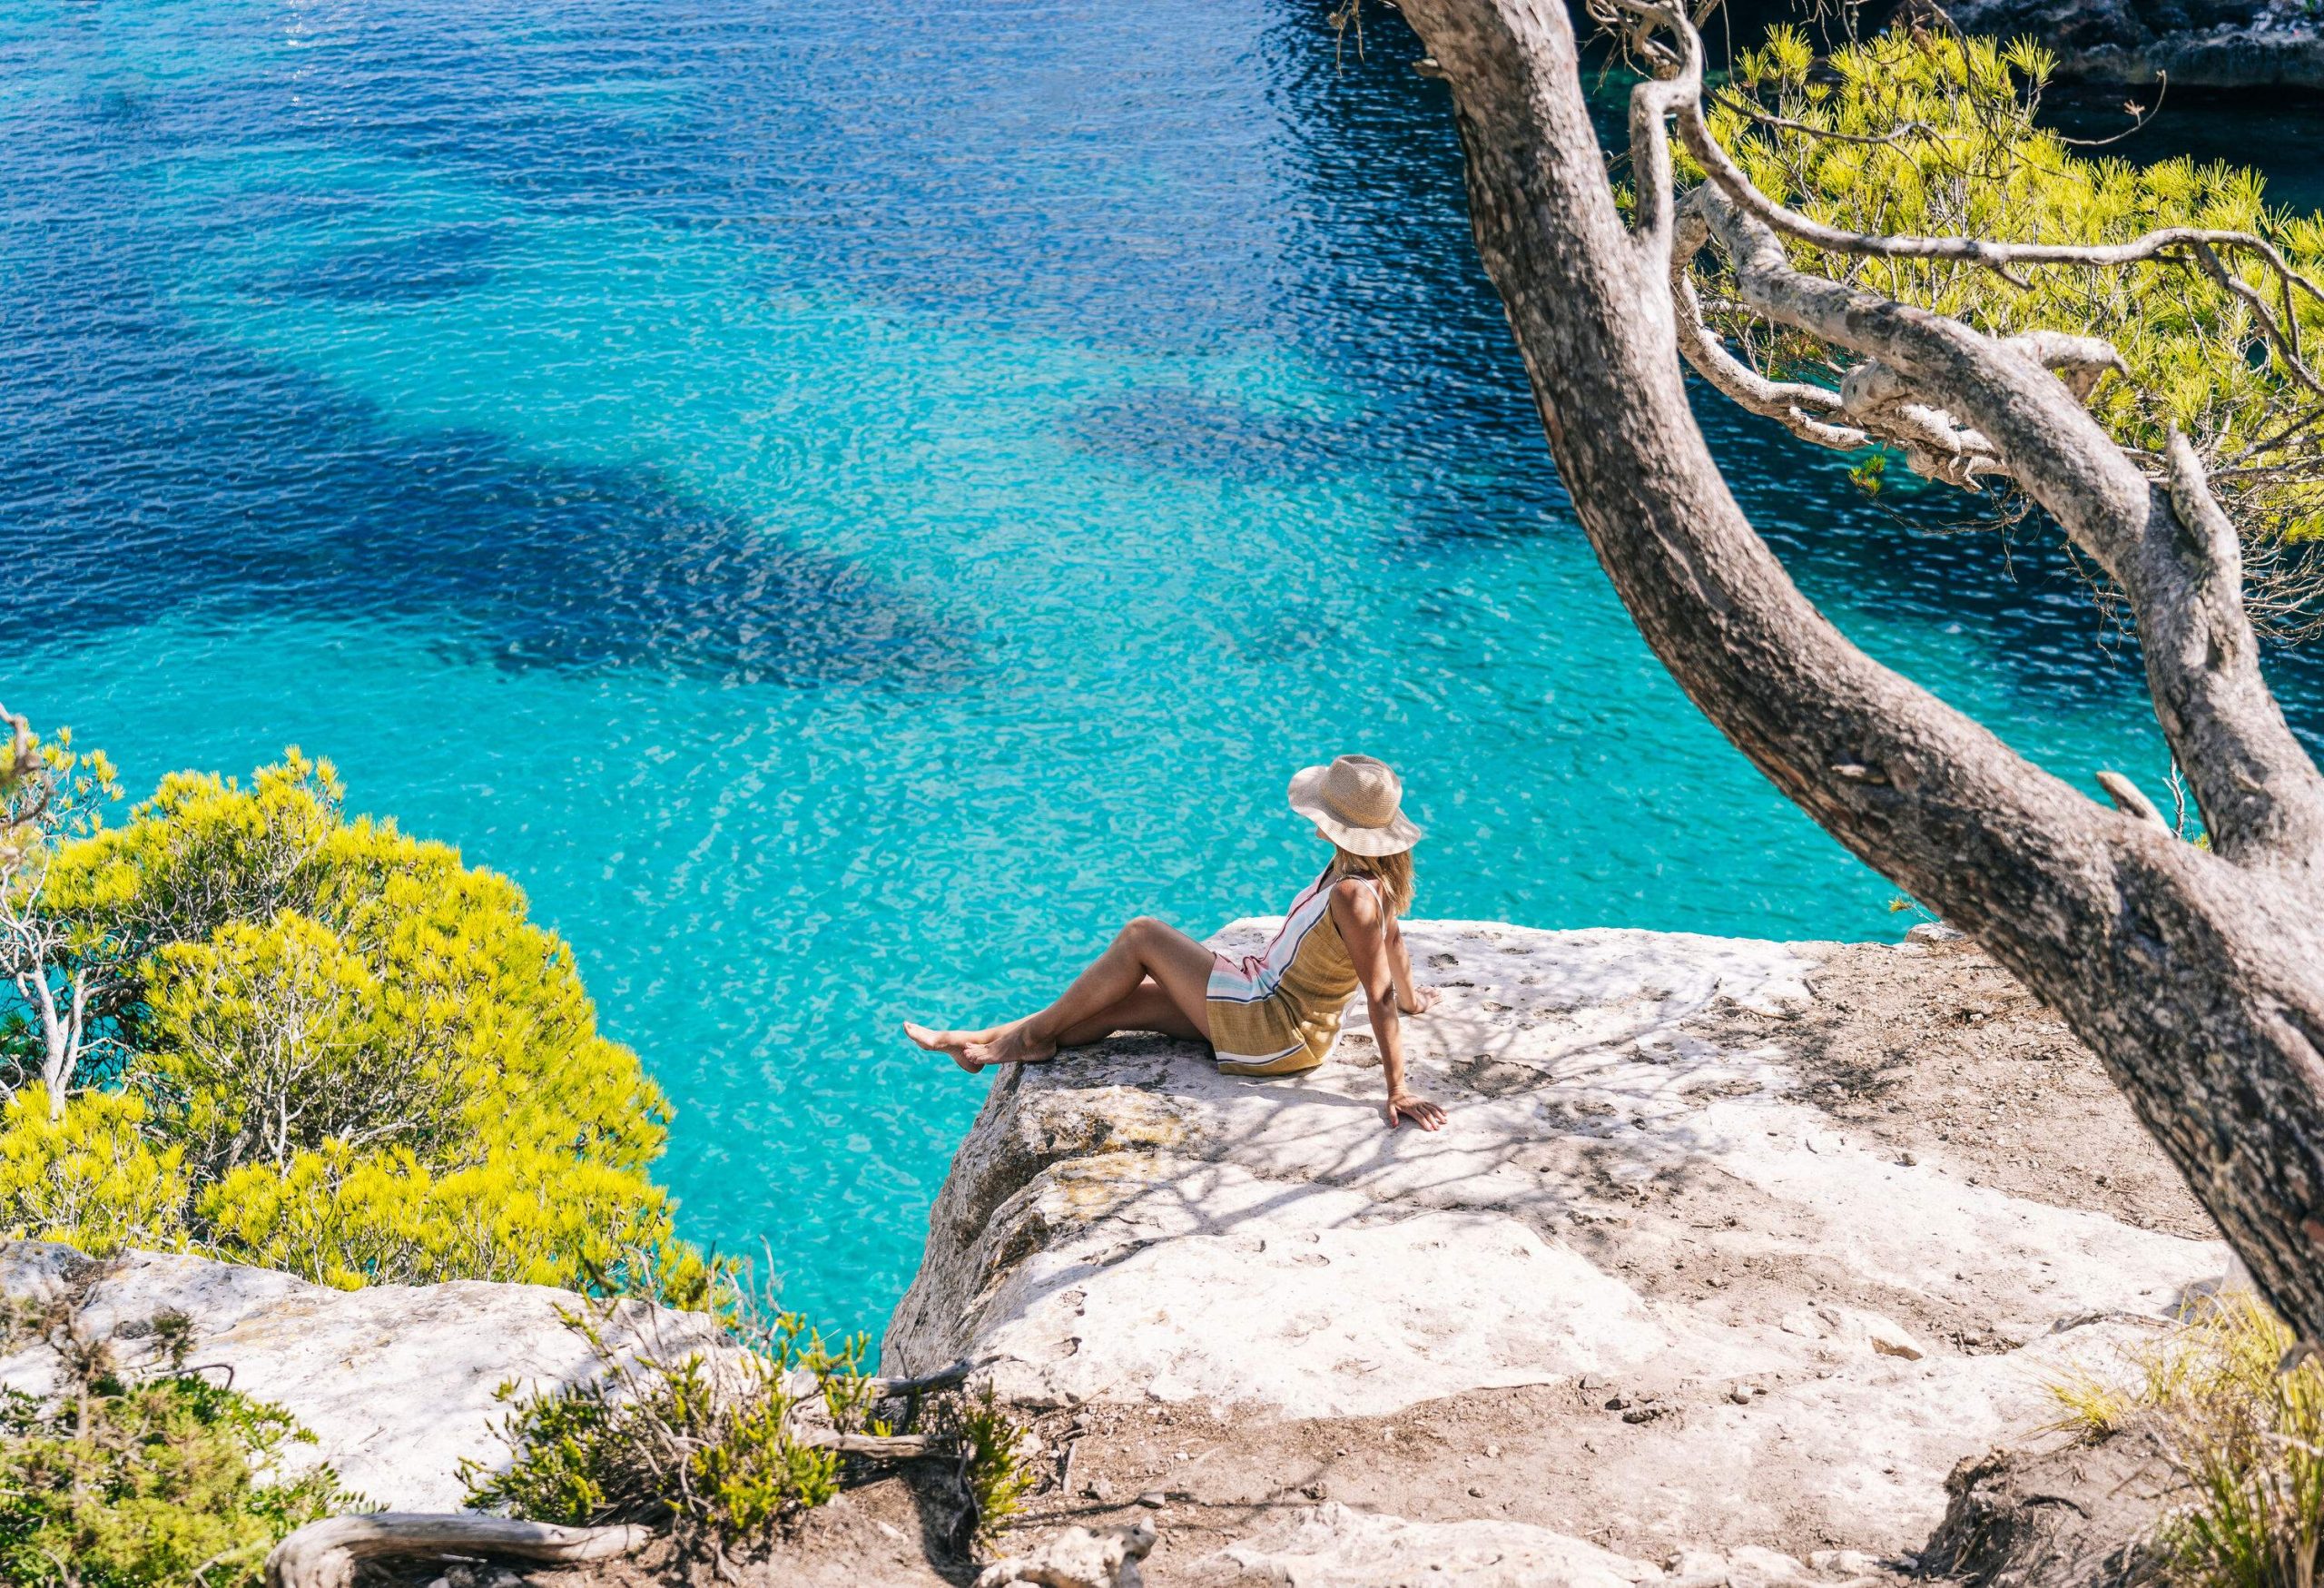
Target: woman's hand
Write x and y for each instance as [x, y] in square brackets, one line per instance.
[1409, 1105]
[1424, 1000]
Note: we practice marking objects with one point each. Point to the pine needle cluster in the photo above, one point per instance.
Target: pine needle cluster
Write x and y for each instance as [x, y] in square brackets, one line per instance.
[1921, 133]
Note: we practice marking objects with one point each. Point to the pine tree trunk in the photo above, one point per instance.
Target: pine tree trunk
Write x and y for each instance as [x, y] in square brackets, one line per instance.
[2197, 976]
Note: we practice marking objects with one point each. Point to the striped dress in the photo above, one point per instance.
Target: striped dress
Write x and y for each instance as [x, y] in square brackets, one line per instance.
[1278, 1013]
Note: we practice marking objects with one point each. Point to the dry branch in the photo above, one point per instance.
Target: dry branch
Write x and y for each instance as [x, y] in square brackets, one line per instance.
[324, 1554]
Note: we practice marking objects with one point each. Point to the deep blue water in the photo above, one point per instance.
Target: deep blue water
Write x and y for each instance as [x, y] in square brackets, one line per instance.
[846, 503]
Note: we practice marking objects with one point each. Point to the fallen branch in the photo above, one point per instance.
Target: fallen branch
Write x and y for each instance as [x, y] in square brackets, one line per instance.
[323, 1554]
[894, 1446]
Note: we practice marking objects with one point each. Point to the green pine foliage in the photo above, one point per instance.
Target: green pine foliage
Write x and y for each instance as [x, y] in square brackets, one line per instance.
[113, 1484]
[700, 1441]
[706, 1439]
[337, 1051]
[1937, 134]
[97, 1178]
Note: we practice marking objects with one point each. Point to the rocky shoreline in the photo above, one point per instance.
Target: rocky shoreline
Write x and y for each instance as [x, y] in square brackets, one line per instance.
[1730, 1254]
[2204, 43]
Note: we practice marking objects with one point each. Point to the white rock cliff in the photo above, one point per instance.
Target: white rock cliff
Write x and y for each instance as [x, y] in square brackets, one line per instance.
[1769, 1327]
[1689, 1289]
[396, 1383]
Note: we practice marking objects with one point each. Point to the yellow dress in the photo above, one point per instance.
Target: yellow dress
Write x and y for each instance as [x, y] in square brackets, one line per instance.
[1278, 1013]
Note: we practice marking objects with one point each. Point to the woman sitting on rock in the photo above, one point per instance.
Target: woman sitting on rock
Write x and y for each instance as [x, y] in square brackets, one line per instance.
[1275, 1013]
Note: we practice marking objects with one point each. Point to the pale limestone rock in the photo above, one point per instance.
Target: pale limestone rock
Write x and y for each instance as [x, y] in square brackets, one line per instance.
[394, 1382]
[1126, 1225]
[1853, 1328]
[1079, 1558]
[1333, 1546]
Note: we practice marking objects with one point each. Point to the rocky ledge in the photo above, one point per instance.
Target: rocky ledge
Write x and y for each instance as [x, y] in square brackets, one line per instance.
[397, 1382]
[1730, 1252]
[2199, 44]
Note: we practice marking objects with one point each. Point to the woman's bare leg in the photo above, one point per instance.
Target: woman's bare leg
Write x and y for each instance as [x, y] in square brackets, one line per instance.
[1145, 949]
[1150, 1008]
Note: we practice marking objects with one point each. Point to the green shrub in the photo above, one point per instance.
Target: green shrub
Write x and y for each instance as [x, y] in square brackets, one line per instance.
[703, 1440]
[727, 1443]
[2244, 1432]
[347, 1055]
[997, 1475]
[93, 1178]
[175, 1480]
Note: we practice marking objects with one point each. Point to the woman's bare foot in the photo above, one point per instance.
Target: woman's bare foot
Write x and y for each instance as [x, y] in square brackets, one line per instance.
[1012, 1045]
[956, 1043]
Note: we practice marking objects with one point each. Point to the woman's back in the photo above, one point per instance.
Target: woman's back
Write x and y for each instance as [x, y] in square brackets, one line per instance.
[1277, 1013]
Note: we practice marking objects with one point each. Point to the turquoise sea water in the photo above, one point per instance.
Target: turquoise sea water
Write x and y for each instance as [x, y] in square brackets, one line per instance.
[847, 503]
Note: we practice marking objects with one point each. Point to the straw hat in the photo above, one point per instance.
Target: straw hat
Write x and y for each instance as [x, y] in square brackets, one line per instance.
[1354, 801]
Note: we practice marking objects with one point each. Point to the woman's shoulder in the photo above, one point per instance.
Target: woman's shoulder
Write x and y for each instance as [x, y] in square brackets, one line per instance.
[1358, 898]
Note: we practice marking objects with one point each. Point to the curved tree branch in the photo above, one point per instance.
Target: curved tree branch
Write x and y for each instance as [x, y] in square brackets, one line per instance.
[1813, 413]
[2260, 793]
[2200, 245]
[2197, 976]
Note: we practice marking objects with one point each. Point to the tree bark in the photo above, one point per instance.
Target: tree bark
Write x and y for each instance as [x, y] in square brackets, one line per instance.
[2197, 978]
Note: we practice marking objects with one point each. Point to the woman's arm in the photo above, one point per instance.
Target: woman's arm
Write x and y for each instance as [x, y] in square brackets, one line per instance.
[1411, 997]
[1364, 928]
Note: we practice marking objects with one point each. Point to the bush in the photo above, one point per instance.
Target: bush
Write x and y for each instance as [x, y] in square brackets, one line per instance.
[702, 1440]
[728, 1442]
[116, 1484]
[91, 1179]
[348, 1055]
[997, 1475]
[2245, 1433]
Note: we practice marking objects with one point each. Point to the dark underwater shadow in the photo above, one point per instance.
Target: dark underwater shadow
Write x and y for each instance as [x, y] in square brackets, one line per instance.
[156, 474]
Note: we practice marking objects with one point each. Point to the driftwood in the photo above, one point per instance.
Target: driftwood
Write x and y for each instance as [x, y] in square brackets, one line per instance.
[893, 1447]
[323, 1554]
[2196, 976]
[886, 1447]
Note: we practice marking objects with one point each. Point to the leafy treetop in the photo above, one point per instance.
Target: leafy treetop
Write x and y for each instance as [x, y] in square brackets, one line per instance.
[1925, 134]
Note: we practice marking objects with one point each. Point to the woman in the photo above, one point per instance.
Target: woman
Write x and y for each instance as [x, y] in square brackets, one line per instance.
[1276, 1013]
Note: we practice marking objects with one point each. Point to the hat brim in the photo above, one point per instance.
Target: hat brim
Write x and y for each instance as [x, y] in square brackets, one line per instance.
[1307, 799]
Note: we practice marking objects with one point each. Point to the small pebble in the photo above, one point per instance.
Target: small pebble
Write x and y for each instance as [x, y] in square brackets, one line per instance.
[1153, 1499]
[1492, 1452]
[1475, 1493]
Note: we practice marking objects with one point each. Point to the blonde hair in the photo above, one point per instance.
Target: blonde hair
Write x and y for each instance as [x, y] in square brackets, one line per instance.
[1394, 872]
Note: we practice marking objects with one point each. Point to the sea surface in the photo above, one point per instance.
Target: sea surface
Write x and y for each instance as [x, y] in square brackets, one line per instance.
[848, 502]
